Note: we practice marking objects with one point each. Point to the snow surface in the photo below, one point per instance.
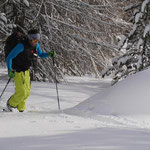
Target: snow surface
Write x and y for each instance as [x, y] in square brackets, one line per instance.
[138, 17]
[147, 29]
[26, 3]
[93, 115]
[122, 42]
[140, 42]
[145, 2]
[133, 30]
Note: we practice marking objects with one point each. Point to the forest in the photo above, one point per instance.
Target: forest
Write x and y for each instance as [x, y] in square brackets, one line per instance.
[95, 37]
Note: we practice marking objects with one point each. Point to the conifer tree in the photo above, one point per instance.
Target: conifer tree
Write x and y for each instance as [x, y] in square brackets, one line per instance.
[136, 44]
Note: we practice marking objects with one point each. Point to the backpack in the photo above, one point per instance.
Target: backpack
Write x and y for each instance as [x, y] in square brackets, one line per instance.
[12, 41]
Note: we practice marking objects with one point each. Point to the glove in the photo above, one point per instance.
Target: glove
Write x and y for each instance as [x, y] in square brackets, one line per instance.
[11, 74]
[52, 54]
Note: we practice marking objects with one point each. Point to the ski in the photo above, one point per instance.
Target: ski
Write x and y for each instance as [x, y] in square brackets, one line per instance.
[5, 110]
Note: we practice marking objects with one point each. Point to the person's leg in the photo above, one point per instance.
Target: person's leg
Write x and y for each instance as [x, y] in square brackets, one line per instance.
[22, 105]
[20, 90]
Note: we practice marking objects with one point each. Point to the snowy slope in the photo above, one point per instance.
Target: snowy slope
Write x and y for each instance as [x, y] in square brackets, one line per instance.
[93, 115]
[129, 96]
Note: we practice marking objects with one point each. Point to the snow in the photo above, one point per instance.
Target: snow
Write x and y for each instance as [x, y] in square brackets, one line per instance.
[133, 30]
[123, 98]
[138, 16]
[139, 63]
[94, 115]
[144, 5]
[26, 3]
[147, 29]
[140, 42]
[123, 60]
[3, 18]
[122, 41]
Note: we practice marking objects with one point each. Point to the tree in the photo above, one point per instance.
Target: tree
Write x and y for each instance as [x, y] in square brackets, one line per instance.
[83, 33]
[136, 44]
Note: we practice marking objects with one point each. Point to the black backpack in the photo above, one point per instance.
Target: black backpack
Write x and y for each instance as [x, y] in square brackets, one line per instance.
[12, 41]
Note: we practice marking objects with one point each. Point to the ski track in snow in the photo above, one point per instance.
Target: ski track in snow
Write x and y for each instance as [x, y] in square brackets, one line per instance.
[42, 126]
[42, 110]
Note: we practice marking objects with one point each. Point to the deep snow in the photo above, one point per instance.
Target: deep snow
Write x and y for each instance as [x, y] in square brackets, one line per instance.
[93, 115]
[129, 96]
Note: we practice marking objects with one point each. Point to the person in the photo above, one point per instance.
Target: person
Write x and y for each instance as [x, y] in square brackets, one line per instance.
[19, 62]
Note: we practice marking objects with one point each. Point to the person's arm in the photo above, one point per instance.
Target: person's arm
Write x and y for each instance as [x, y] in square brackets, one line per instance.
[14, 52]
[40, 53]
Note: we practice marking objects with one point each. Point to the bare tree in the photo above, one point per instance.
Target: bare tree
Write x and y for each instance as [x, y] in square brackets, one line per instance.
[83, 33]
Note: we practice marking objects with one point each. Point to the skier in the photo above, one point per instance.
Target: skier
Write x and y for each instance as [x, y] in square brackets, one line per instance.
[19, 61]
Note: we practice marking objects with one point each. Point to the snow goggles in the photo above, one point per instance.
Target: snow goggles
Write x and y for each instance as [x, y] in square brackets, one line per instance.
[34, 36]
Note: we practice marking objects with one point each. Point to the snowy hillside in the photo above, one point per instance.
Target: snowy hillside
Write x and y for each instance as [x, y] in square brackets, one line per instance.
[129, 96]
[93, 115]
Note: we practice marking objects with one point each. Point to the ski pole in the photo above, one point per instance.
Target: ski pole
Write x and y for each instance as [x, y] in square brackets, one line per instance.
[5, 87]
[56, 84]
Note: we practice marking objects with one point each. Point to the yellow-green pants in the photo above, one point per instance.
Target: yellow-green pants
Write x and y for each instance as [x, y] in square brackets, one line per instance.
[22, 90]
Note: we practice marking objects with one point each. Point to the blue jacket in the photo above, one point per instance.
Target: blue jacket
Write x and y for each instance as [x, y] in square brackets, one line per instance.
[20, 48]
